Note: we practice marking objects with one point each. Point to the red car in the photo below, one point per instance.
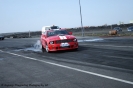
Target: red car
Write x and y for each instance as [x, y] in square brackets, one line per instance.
[55, 40]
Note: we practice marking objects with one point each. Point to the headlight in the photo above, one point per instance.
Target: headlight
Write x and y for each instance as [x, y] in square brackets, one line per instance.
[51, 42]
[75, 40]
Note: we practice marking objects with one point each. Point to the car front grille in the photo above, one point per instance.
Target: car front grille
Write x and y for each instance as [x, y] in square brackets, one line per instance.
[63, 41]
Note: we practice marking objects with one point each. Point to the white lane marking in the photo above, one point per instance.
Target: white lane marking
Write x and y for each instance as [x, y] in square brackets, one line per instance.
[75, 69]
[119, 57]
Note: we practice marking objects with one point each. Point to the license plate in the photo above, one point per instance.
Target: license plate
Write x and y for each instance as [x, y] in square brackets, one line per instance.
[64, 45]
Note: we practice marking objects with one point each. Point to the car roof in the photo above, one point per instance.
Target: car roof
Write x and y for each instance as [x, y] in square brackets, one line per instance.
[49, 26]
[53, 30]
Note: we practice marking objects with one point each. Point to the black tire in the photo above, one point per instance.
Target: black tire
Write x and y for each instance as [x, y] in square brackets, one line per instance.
[43, 50]
[76, 49]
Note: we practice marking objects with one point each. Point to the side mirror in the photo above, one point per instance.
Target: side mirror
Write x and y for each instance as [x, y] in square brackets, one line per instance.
[70, 33]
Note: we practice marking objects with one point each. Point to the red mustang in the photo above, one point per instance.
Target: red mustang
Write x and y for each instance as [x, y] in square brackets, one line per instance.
[54, 40]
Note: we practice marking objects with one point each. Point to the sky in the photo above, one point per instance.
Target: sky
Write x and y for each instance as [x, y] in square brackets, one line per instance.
[25, 15]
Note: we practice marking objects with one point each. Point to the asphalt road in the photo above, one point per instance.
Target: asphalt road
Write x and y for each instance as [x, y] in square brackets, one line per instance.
[99, 63]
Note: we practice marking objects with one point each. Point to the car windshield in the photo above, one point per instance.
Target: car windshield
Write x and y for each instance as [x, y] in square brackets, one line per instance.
[54, 27]
[57, 32]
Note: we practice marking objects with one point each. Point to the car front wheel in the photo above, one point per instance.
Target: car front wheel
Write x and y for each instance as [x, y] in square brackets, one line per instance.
[43, 50]
[47, 49]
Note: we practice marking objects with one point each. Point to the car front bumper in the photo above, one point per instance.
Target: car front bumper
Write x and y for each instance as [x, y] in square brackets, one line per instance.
[57, 47]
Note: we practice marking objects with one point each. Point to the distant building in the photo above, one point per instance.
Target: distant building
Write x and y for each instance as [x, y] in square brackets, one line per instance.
[120, 23]
[131, 21]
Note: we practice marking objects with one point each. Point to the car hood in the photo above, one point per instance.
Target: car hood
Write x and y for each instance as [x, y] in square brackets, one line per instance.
[60, 37]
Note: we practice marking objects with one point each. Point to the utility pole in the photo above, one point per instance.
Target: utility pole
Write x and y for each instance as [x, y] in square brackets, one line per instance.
[81, 20]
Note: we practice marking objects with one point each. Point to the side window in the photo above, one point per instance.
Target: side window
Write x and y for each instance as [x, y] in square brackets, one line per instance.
[47, 28]
[45, 33]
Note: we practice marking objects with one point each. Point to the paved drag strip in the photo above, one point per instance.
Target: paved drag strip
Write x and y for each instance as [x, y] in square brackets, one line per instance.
[84, 63]
[114, 46]
[75, 69]
[119, 57]
[109, 45]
